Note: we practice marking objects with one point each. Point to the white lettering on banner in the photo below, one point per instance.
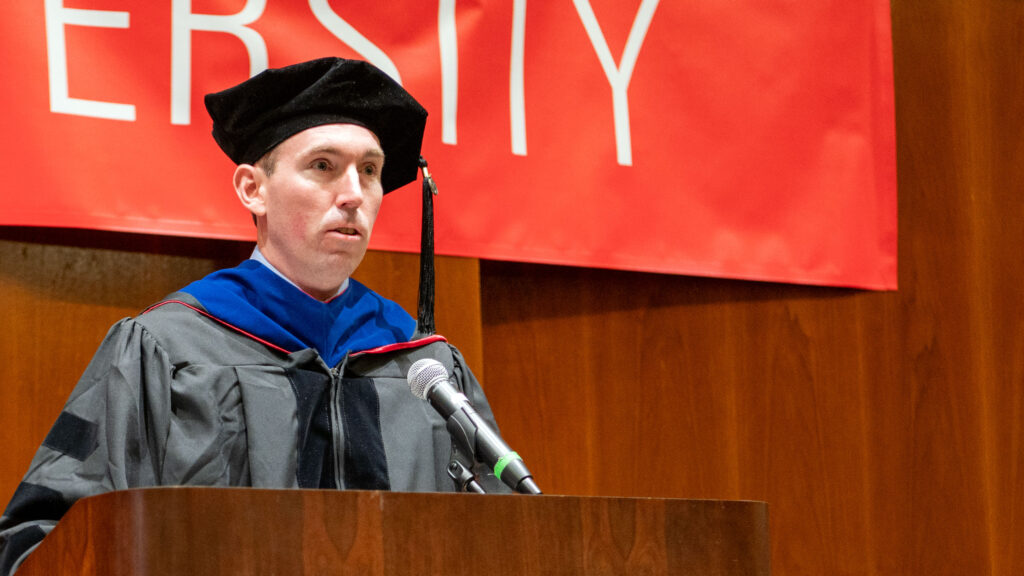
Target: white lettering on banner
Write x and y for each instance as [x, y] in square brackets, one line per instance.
[346, 33]
[183, 22]
[57, 16]
[516, 87]
[619, 77]
[449, 40]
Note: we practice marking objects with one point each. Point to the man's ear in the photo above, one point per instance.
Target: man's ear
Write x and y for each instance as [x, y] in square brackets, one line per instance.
[249, 188]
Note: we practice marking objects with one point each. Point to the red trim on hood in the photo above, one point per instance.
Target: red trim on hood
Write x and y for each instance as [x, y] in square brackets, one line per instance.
[378, 350]
[402, 345]
[212, 317]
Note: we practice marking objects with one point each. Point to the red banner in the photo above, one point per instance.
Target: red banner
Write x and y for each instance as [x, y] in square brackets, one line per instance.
[751, 139]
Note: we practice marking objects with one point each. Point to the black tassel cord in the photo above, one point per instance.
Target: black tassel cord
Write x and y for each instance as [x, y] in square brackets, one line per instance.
[425, 308]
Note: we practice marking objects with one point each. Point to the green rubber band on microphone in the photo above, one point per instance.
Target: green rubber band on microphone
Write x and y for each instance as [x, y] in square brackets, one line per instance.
[503, 461]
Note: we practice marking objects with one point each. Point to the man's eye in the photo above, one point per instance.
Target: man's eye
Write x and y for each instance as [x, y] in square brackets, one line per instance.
[322, 165]
[370, 170]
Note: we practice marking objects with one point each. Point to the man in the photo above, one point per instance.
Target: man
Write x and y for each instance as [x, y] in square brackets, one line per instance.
[284, 371]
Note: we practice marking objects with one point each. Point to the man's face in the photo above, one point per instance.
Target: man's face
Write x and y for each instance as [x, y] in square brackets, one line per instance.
[320, 201]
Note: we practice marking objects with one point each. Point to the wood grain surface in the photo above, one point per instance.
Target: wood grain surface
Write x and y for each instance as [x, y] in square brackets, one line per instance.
[173, 531]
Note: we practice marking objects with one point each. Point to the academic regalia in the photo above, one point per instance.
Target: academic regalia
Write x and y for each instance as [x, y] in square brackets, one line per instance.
[221, 385]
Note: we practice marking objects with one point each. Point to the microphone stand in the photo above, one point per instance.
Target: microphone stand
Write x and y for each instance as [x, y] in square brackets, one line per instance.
[465, 479]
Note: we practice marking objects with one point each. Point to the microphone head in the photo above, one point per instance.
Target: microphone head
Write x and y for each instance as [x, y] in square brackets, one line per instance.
[424, 374]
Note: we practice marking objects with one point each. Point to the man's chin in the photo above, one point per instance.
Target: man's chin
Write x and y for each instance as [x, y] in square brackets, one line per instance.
[337, 270]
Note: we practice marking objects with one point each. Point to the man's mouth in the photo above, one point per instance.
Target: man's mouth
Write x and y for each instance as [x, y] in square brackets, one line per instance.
[347, 231]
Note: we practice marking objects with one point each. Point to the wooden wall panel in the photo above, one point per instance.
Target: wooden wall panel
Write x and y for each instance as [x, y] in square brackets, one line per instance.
[885, 429]
[62, 289]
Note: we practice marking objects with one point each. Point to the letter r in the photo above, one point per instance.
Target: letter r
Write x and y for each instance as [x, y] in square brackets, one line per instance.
[183, 22]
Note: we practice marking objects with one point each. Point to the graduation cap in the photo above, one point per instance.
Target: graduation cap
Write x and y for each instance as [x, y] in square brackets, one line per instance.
[250, 119]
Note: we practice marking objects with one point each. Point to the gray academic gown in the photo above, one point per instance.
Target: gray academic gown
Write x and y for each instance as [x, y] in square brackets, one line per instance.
[175, 397]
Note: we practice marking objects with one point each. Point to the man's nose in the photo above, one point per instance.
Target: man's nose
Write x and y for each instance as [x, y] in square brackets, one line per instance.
[349, 191]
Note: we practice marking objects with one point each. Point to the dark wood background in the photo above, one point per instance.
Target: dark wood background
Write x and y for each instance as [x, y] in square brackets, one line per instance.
[885, 429]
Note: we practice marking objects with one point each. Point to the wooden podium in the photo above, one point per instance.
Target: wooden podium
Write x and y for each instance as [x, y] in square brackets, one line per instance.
[214, 531]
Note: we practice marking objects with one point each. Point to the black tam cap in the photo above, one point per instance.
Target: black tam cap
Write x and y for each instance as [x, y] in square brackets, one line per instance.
[253, 117]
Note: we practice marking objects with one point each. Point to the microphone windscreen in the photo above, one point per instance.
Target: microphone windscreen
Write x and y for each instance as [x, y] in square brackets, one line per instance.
[423, 374]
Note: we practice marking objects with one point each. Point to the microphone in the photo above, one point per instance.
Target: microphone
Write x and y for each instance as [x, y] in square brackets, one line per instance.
[428, 380]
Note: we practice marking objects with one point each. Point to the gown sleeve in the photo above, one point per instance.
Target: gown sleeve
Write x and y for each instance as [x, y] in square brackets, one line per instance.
[104, 439]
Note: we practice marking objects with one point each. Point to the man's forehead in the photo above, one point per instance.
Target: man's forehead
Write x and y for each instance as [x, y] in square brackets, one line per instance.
[335, 138]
